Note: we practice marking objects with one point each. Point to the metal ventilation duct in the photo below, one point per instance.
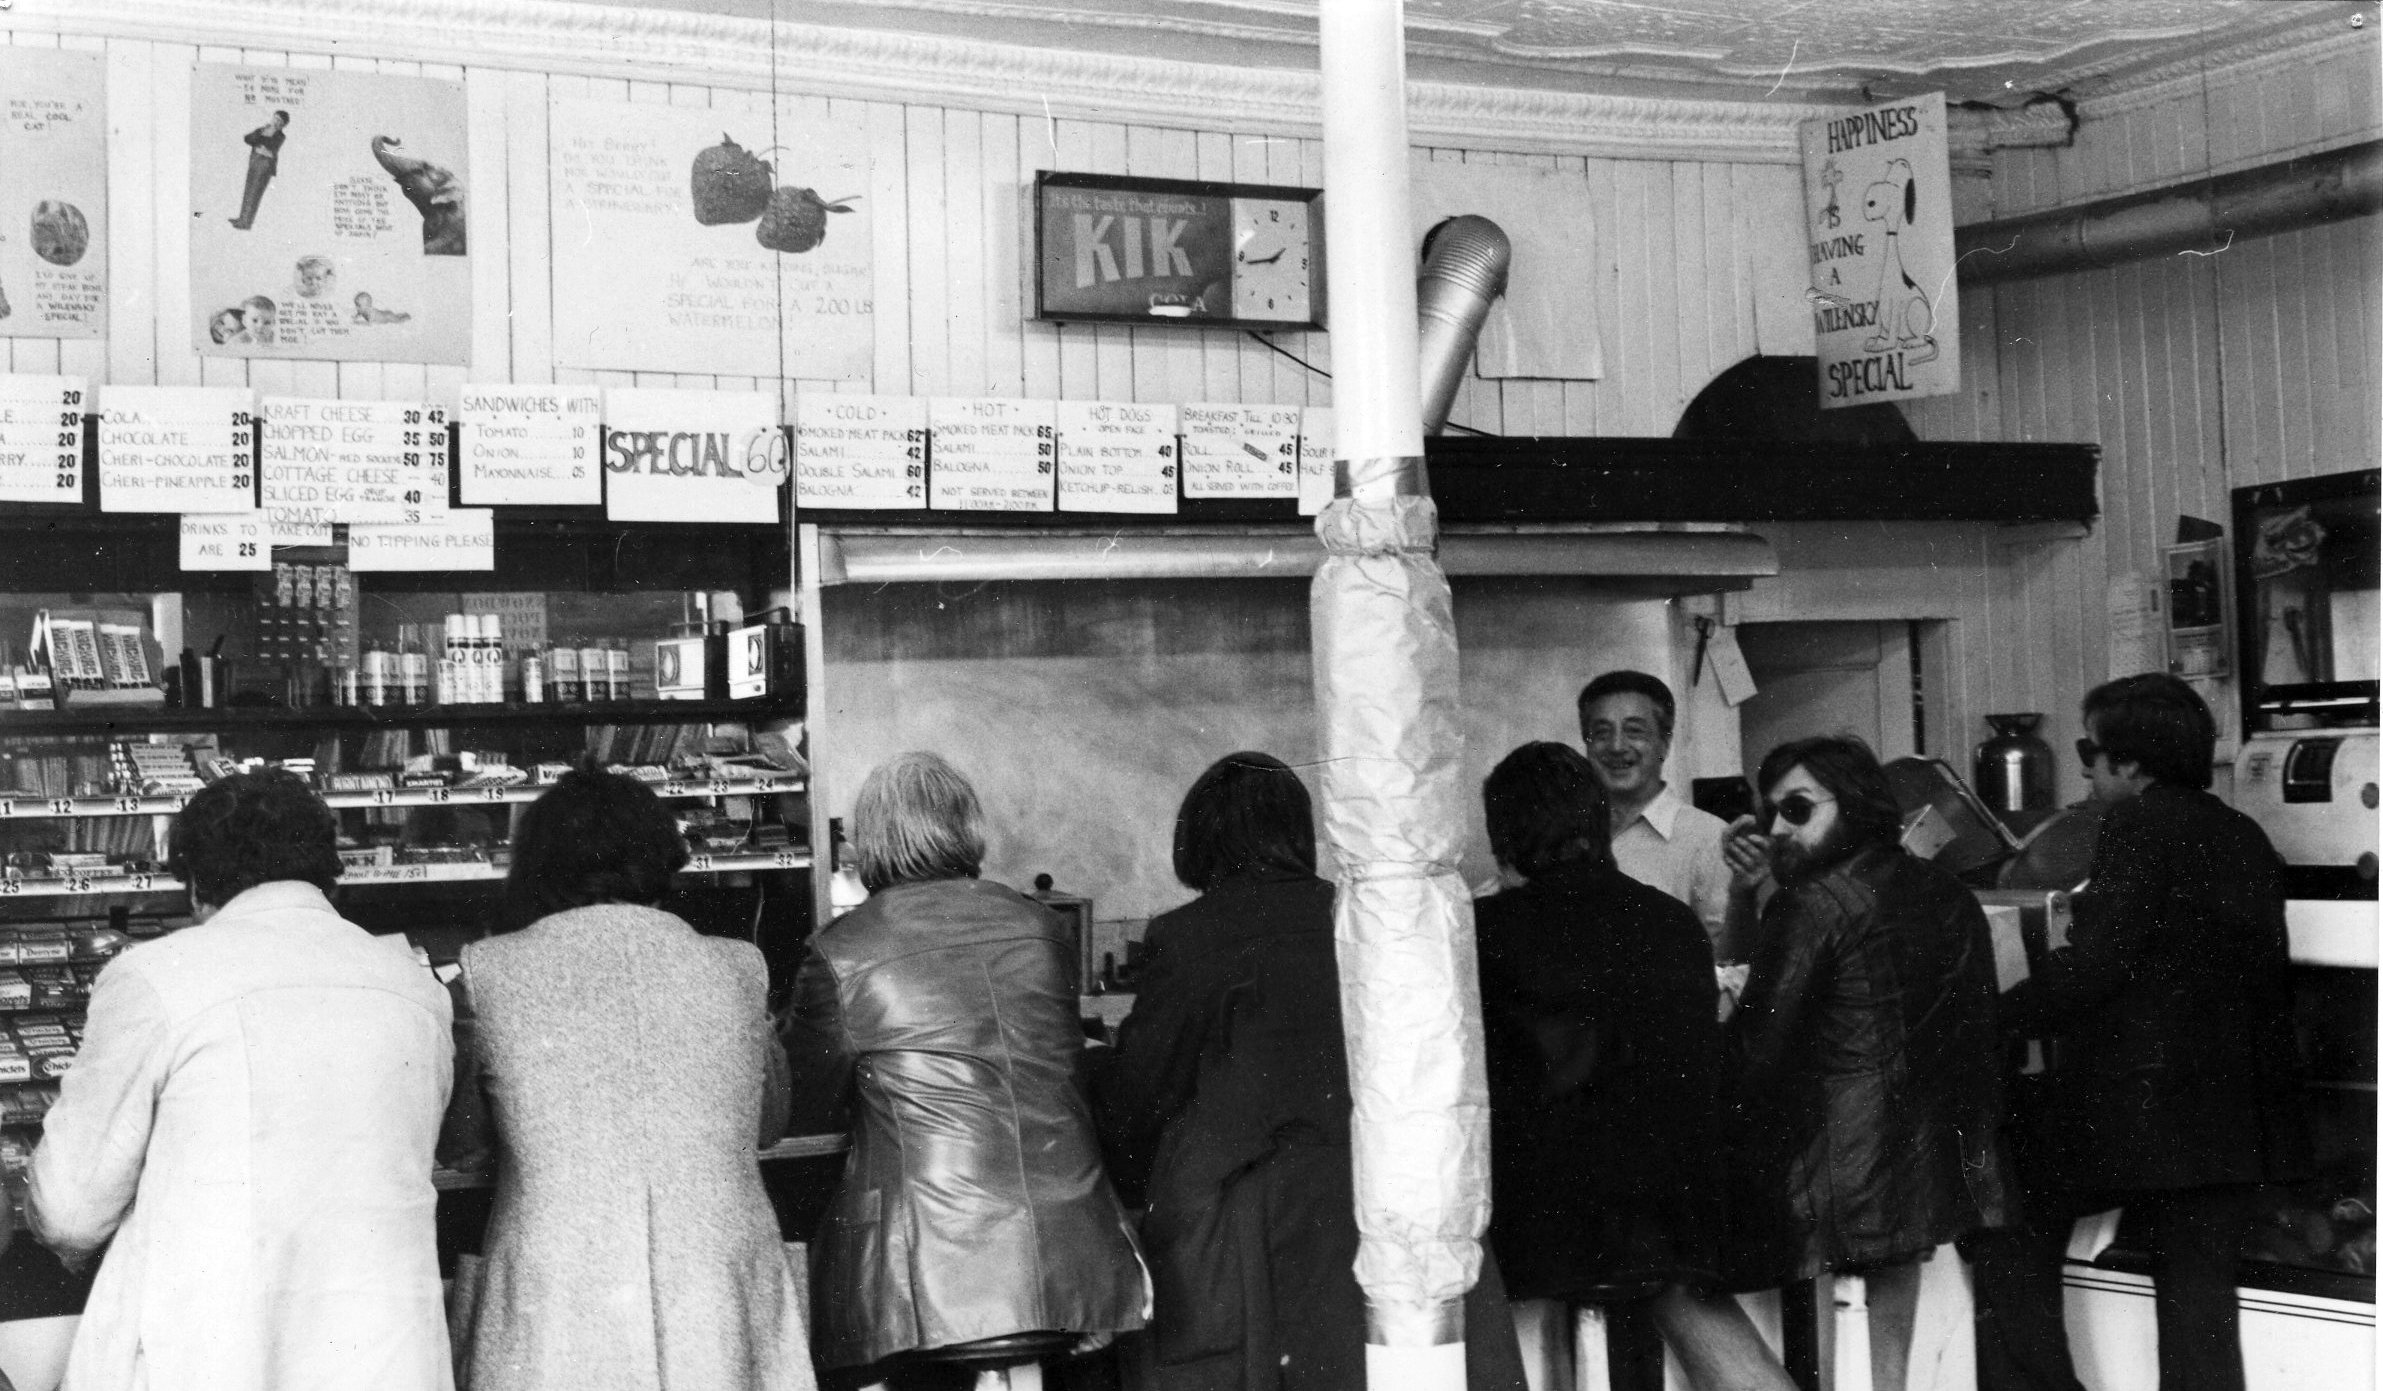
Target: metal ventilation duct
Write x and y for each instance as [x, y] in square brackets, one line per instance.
[2204, 217]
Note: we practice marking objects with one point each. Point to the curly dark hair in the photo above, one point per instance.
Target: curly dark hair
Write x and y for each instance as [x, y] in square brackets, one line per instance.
[595, 837]
[250, 829]
[1851, 773]
[1545, 807]
[1248, 812]
[2158, 722]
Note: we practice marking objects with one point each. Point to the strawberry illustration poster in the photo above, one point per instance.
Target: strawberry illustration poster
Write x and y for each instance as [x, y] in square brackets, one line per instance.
[702, 240]
[329, 216]
[53, 194]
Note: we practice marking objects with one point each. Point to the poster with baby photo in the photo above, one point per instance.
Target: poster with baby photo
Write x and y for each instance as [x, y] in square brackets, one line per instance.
[53, 194]
[329, 216]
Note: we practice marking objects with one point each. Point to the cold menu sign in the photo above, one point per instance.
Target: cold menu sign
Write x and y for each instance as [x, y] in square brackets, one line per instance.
[177, 449]
[860, 451]
[41, 439]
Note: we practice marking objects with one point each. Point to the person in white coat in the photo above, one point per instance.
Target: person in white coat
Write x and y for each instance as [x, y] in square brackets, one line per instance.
[252, 1119]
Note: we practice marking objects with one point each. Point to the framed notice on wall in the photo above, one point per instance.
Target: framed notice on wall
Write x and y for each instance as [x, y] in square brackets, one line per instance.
[1113, 249]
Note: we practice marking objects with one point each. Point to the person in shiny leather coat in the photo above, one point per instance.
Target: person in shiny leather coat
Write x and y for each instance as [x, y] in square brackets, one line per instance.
[1225, 1106]
[1864, 1049]
[941, 1013]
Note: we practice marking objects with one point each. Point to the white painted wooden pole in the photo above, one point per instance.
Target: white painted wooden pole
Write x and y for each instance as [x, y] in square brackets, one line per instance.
[1385, 661]
[1851, 1298]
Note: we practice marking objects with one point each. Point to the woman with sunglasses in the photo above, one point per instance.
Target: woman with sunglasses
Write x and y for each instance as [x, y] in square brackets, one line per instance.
[1866, 1074]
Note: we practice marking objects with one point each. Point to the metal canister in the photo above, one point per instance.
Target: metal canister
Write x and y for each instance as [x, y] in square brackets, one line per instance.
[2014, 772]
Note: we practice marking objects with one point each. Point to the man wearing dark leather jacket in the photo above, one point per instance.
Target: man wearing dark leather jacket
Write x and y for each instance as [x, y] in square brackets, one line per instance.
[1866, 1087]
[2172, 1085]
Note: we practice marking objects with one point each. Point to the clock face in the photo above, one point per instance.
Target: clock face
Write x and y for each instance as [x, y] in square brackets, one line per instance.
[1273, 260]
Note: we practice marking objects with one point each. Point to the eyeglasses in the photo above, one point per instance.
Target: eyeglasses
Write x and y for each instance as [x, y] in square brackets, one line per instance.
[1795, 808]
[2088, 752]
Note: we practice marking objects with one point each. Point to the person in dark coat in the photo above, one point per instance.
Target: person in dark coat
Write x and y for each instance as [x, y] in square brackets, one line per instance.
[973, 1205]
[1225, 1109]
[2173, 1085]
[1864, 1050]
[1604, 1068]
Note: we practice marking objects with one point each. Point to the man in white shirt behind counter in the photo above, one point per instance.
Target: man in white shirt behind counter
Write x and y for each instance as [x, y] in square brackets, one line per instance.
[1658, 838]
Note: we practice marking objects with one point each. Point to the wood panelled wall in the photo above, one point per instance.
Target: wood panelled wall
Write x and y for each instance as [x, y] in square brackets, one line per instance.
[1689, 279]
[2194, 373]
[2197, 374]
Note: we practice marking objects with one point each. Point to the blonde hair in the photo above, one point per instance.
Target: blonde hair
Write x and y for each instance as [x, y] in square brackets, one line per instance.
[916, 818]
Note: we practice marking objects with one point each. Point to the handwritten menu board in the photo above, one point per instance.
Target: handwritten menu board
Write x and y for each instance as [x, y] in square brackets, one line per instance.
[41, 438]
[177, 449]
[462, 538]
[352, 461]
[1241, 451]
[1115, 457]
[993, 454]
[1315, 459]
[531, 446]
[860, 451]
[231, 541]
[692, 456]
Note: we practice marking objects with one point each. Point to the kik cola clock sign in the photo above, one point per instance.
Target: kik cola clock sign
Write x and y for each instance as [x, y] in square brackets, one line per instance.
[1131, 250]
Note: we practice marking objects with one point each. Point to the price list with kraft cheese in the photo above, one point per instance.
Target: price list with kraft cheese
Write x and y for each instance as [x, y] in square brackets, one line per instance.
[992, 454]
[326, 461]
[532, 446]
[860, 452]
[177, 449]
[1116, 457]
[1241, 451]
[41, 438]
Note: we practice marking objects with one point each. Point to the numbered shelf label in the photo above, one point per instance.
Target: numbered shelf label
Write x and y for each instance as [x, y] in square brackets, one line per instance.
[41, 438]
[1116, 457]
[177, 449]
[1315, 459]
[1241, 451]
[383, 462]
[227, 541]
[531, 446]
[993, 454]
[860, 451]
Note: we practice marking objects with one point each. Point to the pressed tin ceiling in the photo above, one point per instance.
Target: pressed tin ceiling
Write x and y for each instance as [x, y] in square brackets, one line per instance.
[1997, 52]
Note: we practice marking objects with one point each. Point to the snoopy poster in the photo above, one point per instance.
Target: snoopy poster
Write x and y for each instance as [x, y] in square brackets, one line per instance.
[1879, 237]
[329, 216]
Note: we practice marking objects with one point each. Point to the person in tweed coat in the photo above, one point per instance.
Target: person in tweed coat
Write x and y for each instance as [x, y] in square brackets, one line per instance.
[628, 1071]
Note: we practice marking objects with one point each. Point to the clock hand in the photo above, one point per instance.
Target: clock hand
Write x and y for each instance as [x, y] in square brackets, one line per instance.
[1265, 260]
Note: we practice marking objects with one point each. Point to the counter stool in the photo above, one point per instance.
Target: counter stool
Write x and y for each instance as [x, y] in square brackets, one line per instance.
[1009, 1363]
[1600, 1361]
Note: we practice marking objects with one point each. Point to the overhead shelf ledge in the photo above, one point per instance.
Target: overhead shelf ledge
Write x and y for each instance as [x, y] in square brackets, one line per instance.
[1678, 562]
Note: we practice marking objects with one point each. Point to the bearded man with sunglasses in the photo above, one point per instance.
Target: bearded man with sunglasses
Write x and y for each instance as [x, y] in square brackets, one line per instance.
[1865, 1073]
[2172, 1087]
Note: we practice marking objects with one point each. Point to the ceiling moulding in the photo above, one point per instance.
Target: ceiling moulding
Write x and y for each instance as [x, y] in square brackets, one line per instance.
[876, 65]
[2279, 54]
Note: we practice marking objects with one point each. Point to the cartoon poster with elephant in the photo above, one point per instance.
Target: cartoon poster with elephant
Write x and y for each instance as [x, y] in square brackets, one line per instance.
[1878, 231]
[710, 240]
[329, 216]
[53, 194]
